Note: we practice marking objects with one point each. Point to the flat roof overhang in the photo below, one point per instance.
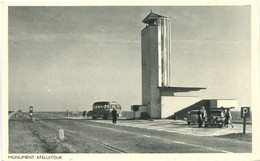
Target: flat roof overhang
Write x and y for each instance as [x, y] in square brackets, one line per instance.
[180, 89]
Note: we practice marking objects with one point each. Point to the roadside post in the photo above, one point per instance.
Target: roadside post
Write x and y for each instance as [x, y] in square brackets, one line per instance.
[245, 113]
[31, 113]
[61, 134]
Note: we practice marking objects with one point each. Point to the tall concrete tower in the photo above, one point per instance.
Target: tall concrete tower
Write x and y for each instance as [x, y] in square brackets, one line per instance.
[156, 63]
[156, 42]
[156, 47]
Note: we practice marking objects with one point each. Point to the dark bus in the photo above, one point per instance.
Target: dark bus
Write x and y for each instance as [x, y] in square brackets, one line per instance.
[103, 110]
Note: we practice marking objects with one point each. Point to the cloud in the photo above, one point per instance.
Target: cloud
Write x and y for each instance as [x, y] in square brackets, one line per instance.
[187, 18]
[109, 38]
[123, 41]
[210, 41]
[42, 37]
[94, 37]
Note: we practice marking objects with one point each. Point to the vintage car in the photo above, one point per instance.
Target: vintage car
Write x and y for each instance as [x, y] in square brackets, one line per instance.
[192, 117]
[216, 117]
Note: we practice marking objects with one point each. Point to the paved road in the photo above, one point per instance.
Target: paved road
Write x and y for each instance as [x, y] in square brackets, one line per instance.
[152, 136]
[178, 126]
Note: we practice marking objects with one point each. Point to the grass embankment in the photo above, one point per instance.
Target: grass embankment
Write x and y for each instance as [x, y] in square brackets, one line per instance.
[21, 139]
[42, 137]
[34, 137]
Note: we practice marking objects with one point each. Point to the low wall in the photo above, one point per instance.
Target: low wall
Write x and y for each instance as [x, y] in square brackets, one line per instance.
[127, 114]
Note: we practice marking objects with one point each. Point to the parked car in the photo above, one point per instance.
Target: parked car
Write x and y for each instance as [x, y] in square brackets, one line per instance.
[216, 117]
[192, 117]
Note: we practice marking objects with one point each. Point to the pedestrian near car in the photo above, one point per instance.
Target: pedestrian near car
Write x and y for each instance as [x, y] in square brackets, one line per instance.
[114, 115]
[228, 118]
[203, 115]
[199, 119]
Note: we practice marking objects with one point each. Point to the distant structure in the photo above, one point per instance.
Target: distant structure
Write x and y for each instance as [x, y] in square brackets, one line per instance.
[156, 67]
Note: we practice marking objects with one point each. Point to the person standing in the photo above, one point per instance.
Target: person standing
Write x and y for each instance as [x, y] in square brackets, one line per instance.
[199, 118]
[114, 115]
[203, 115]
[228, 118]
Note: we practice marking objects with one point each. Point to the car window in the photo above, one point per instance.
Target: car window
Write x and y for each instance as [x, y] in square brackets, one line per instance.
[215, 113]
[194, 113]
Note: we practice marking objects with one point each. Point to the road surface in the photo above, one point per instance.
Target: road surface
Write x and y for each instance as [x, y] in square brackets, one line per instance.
[131, 136]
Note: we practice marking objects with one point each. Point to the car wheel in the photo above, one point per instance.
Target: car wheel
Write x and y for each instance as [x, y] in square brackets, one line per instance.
[94, 118]
[188, 123]
[220, 125]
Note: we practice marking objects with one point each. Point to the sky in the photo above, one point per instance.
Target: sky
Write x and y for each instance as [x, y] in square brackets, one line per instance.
[67, 58]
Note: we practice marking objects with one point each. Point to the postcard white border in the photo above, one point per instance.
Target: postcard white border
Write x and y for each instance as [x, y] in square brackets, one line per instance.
[255, 155]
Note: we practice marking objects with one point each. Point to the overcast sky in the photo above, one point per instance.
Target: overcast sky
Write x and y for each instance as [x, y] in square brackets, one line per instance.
[69, 57]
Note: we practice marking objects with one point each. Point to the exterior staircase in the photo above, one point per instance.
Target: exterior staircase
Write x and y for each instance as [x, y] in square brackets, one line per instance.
[180, 115]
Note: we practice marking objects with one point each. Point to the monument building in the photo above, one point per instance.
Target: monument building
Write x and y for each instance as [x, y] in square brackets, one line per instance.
[156, 66]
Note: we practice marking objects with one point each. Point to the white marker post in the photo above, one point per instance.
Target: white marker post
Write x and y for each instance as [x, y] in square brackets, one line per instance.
[61, 135]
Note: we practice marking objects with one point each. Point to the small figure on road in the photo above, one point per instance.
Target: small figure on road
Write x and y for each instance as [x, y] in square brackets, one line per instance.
[114, 115]
[228, 118]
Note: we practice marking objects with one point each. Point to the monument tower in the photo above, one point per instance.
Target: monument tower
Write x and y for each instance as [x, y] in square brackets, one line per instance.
[156, 63]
